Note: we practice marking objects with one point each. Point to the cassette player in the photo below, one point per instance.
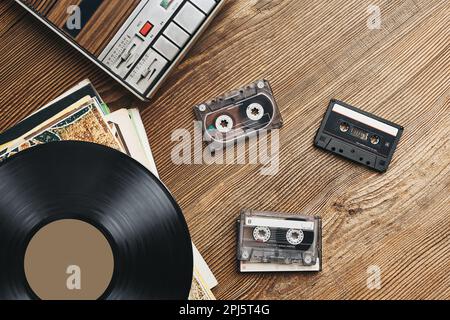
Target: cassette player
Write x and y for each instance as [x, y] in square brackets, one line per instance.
[239, 114]
[358, 136]
[137, 42]
[275, 242]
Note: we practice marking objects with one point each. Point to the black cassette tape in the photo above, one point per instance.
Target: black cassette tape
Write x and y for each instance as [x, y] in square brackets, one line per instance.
[275, 242]
[239, 114]
[358, 136]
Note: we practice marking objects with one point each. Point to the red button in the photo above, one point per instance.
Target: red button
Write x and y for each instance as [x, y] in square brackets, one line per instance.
[146, 29]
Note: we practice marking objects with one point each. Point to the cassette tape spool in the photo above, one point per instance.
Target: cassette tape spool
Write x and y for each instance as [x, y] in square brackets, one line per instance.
[271, 242]
[358, 136]
[239, 114]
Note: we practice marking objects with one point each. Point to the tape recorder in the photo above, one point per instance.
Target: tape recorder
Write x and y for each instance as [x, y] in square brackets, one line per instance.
[137, 42]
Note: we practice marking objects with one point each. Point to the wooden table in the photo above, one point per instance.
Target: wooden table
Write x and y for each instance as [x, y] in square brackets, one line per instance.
[311, 51]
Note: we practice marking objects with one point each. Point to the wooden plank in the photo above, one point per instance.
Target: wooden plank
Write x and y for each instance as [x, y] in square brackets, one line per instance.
[311, 52]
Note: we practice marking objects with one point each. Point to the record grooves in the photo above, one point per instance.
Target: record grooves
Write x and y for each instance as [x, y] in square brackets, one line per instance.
[88, 183]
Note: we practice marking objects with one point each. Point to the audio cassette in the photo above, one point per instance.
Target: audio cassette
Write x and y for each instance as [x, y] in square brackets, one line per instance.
[239, 114]
[275, 242]
[137, 42]
[358, 136]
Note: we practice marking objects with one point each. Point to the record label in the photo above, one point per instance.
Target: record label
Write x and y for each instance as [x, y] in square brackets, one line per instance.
[69, 260]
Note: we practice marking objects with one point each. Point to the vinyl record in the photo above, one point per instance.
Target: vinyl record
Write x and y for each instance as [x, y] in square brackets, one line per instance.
[82, 221]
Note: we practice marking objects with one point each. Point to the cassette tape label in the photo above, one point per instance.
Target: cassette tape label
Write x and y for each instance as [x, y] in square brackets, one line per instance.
[366, 120]
[276, 223]
[358, 136]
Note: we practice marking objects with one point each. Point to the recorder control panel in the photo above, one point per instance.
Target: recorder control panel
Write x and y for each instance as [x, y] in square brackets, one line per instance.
[154, 39]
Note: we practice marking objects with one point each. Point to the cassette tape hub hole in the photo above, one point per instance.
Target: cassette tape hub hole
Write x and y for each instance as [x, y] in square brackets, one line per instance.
[344, 127]
[375, 139]
[262, 234]
[255, 111]
[224, 124]
[294, 236]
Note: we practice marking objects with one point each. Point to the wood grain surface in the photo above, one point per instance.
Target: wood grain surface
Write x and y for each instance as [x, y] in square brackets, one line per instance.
[311, 51]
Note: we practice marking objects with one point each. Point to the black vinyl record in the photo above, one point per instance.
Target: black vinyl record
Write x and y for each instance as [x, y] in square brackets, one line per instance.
[77, 181]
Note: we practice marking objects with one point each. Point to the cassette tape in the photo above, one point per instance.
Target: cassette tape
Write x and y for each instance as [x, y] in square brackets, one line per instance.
[275, 242]
[239, 114]
[358, 136]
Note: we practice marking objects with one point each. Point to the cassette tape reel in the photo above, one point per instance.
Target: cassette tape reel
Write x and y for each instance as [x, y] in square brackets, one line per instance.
[239, 114]
[271, 242]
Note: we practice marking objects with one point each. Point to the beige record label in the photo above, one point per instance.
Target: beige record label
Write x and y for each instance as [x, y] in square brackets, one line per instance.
[69, 260]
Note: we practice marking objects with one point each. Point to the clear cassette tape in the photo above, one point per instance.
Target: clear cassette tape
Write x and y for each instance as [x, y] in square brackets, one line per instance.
[239, 114]
[272, 242]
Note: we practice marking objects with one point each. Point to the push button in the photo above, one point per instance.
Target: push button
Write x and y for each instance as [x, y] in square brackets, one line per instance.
[166, 48]
[145, 30]
[177, 35]
[189, 18]
[205, 5]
